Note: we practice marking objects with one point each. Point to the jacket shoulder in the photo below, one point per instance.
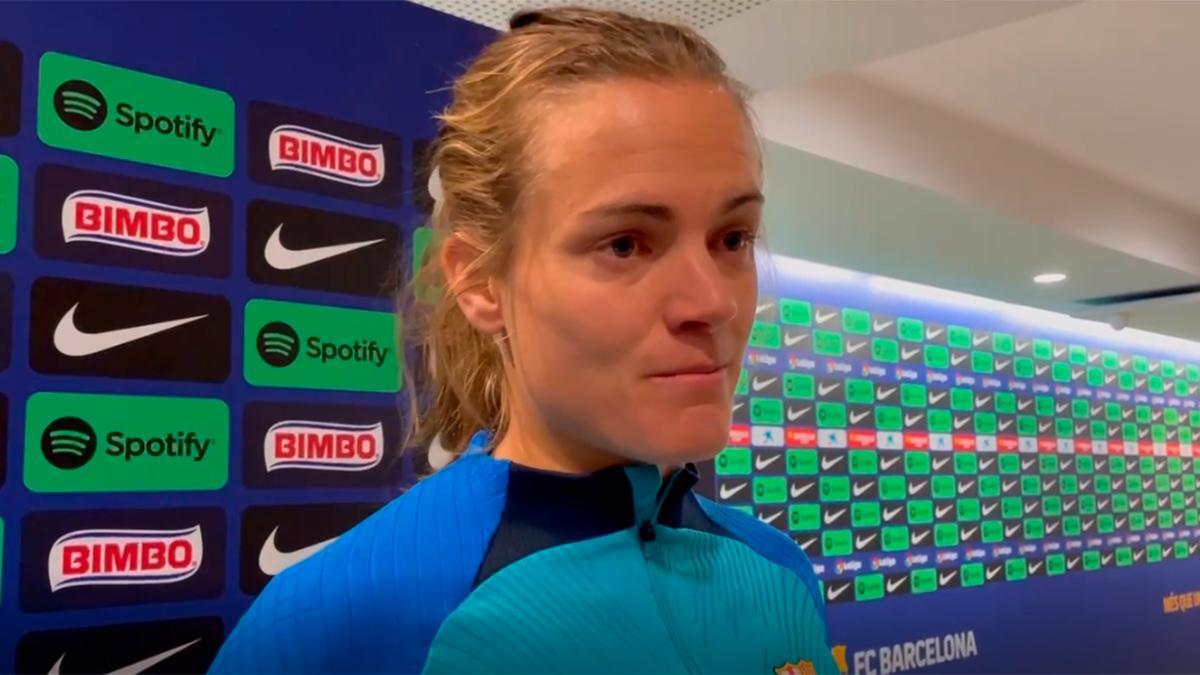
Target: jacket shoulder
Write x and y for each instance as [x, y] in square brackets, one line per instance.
[373, 599]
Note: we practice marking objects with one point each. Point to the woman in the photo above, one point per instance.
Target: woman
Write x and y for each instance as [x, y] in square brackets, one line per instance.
[600, 197]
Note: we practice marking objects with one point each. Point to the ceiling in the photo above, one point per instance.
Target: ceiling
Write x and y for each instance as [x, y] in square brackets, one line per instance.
[971, 145]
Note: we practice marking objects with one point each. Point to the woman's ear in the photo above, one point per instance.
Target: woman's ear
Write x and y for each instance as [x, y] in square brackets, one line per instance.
[476, 296]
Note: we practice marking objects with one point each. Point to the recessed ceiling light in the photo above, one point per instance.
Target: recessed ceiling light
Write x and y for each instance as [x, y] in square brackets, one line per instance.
[1050, 278]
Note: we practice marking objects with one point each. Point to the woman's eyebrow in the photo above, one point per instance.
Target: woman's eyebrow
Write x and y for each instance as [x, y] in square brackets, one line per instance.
[662, 211]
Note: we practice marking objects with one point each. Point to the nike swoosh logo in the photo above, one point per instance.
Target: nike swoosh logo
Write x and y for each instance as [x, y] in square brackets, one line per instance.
[1109, 379]
[1061, 408]
[832, 517]
[790, 340]
[958, 424]
[1047, 484]
[825, 390]
[1080, 428]
[1051, 527]
[1030, 507]
[772, 518]
[1008, 486]
[1026, 463]
[1041, 370]
[939, 463]
[827, 465]
[967, 534]
[855, 418]
[934, 399]
[1096, 411]
[727, 493]
[905, 354]
[957, 359]
[945, 579]
[987, 510]
[934, 333]
[1092, 358]
[892, 588]
[807, 543]
[852, 347]
[738, 406]
[1120, 522]
[1137, 555]
[759, 464]
[438, 456]
[1043, 428]
[860, 489]
[917, 539]
[885, 464]
[803, 488]
[979, 339]
[1034, 567]
[794, 415]
[888, 515]
[911, 420]
[135, 667]
[759, 385]
[885, 393]
[986, 463]
[1005, 425]
[1126, 414]
[1024, 405]
[1067, 506]
[943, 510]
[982, 401]
[1102, 504]
[283, 258]
[71, 341]
[833, 594]
[963, 487]
[1123, 362]
[1104, 560]
[822, 318]
[1072, 563]
[1010, 532]
[917, 487]
[272, 561]
[879, 326]
[1021, 346]
[763, 307]
[991, 574]
[861, 542]
[1058, 352]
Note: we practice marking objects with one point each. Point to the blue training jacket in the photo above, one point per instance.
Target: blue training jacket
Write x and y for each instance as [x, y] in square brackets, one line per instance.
[489, 566]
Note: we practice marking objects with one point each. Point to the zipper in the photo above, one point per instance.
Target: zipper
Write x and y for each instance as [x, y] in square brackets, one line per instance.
[648, 537]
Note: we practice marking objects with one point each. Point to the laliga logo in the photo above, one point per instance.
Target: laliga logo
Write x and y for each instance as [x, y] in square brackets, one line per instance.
[130, 222]
[124, 557]
[316, 153]
[328, 446]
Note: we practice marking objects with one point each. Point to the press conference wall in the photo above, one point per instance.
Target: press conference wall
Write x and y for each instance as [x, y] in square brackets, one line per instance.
[204, 208]
[203, 211]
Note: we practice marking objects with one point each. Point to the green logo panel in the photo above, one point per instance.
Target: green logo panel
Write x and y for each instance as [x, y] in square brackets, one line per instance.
[102, 443]
[9, 179]
[289, 344]
[100, 109]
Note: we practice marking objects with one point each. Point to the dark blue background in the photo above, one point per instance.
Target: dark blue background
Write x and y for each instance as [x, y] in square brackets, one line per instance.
[384, 65]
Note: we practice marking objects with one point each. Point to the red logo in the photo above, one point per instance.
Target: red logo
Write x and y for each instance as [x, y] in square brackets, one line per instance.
[797, 437]
[130, 222]
[124, 557]
[1047, 445]
[862, 439]
[316, 153]
[964, 443]
[916, 441]
[739, 434]
[327, 446]
[1008, 443]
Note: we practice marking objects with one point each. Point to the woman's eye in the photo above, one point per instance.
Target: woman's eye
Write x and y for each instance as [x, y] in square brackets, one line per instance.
[737, 240]
[624, 246]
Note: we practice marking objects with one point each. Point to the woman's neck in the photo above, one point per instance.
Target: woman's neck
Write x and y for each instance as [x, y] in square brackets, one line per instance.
[534, 446]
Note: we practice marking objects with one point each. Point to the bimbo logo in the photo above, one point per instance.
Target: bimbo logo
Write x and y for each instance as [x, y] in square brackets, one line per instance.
[328, 446]
[130, 222]
[316, 153]
[124, 557]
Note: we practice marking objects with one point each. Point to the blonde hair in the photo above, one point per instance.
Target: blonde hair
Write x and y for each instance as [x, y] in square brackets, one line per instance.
[479, 157]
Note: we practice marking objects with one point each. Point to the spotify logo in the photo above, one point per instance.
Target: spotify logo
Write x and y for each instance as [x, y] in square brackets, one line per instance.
[80, 105]
[68, 442]
[278, 344]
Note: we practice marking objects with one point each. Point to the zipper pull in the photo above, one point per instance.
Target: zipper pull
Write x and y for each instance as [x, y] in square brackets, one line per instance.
[646, 532]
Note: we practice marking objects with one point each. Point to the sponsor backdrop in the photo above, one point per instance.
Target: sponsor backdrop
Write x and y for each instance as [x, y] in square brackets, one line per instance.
[203, 212]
